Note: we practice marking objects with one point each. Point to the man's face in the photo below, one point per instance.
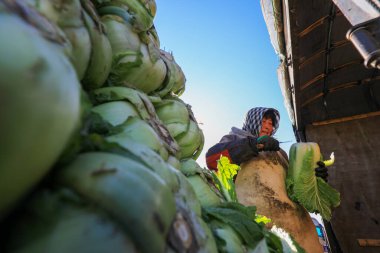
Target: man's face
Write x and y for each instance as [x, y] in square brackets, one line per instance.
[266, 127]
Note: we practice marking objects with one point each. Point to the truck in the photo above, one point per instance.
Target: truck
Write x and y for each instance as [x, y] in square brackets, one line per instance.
[329, 76]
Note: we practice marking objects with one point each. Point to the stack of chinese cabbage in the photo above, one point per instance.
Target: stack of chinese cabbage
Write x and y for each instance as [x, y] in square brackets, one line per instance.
[98, 151]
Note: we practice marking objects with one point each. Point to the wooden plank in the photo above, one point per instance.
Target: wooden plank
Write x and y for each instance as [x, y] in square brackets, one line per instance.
[355, 174]
[315, 56]
[344, 119]
[313, 26]
[369, 242]
[314, 80]
[317, 23]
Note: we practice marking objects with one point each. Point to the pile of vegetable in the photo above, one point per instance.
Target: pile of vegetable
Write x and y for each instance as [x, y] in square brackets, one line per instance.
[98, 151]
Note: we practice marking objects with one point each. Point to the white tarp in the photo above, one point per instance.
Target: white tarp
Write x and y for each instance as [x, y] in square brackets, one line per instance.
[272, 12]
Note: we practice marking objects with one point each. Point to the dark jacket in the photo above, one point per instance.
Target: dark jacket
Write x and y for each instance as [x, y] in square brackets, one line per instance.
[239, 146]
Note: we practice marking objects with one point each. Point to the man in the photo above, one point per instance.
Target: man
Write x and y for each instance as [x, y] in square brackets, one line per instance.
[261, 180]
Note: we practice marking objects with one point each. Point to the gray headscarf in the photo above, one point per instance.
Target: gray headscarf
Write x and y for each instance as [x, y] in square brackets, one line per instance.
[254, 118]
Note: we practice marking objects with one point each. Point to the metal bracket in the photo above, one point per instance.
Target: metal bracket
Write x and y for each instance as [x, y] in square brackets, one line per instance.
[366, 38]
[288, 61]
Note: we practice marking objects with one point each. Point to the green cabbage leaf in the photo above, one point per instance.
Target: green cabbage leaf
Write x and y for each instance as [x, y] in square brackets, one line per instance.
[304, 187]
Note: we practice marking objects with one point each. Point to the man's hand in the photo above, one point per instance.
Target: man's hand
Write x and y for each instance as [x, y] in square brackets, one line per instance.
[321, 171]
[267, 143]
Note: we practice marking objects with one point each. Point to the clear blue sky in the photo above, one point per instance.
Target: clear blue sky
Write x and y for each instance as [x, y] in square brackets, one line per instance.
[223, 47]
